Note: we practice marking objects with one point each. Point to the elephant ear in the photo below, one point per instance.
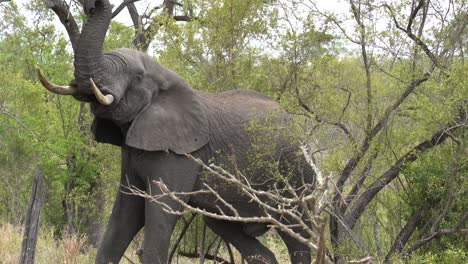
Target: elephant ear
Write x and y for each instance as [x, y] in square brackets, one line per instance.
[174, 121]
[106, 131]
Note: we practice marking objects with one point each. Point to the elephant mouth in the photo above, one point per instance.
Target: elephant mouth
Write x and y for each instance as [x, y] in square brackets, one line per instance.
[88, 98]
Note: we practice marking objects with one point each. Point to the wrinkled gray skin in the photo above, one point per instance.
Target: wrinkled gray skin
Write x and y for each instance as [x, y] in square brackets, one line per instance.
[155, 118]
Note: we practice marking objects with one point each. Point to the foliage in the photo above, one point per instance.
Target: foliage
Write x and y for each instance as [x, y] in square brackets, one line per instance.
[40, 128]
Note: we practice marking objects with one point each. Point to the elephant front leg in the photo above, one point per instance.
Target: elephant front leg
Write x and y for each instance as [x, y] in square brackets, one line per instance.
[179, 174]
[158, 231]
[126, 220]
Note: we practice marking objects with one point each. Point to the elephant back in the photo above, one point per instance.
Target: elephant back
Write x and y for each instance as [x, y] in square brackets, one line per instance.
[242, 125]
[248, 133]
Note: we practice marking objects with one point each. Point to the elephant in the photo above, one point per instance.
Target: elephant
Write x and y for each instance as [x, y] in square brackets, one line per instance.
[156, 118]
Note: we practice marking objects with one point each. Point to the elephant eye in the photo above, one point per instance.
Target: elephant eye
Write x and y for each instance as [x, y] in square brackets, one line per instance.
[139, 77]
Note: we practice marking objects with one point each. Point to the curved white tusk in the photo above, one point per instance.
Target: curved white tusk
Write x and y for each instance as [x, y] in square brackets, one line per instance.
[58, 89]
[103, 99]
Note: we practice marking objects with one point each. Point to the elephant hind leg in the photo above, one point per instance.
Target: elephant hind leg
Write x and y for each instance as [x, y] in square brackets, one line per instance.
[251, 249]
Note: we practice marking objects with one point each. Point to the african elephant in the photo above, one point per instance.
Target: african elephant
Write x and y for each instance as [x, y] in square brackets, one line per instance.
[155, 117]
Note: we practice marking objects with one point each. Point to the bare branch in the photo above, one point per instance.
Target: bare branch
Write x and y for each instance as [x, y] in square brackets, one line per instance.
[122, 6]
[228, 205]
[294, 209]
[409, 32]
[317, 118]
[181, 235]
[207, 256]
[256, 219]
[62, 10]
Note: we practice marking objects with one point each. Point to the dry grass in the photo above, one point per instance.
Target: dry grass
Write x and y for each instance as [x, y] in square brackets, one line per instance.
[68, 250]
[73, 244]
[72, 249]
[10, 241]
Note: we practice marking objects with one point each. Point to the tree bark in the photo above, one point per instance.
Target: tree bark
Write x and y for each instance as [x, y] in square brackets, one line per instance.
[405, 233]
[33, 218]
[95, 225]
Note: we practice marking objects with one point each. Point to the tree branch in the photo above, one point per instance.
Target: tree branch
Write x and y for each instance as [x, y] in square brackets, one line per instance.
[409, 32]
[348, 169]
[181, 235]
[122, 6]
[144, 35]
[317, 118]
[339, 207]
[357, 186]
[406, 233]
[437, 234]
[63, 12]
[365, 58]
[364, 199]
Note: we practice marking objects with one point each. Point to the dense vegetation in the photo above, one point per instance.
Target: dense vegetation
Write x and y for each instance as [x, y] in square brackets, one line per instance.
[379, 88]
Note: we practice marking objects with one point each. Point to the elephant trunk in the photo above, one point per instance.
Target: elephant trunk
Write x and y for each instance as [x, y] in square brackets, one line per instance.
[89, 59]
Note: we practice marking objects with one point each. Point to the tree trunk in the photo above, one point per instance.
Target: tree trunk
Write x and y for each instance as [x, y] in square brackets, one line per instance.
[94, 216]
[33, 218]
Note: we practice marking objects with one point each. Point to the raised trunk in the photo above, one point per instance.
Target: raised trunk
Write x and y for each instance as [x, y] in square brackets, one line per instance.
[89, 58]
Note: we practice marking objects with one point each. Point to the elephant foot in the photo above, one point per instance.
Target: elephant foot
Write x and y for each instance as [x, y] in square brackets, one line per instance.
[259, 259]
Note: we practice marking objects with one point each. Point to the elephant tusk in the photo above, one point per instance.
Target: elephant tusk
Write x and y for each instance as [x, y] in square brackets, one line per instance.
[103, 99]
[58, 89]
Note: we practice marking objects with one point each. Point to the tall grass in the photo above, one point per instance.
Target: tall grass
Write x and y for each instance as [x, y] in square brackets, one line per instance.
[66, 249]
[73, 249]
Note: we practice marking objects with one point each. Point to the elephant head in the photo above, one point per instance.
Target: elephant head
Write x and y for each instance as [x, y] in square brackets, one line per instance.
[135, 101]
